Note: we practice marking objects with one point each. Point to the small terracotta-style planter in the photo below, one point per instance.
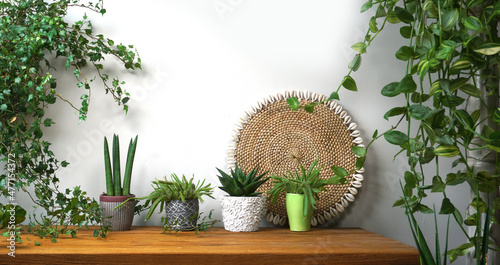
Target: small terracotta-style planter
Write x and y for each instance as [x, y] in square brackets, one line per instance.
[120, 219]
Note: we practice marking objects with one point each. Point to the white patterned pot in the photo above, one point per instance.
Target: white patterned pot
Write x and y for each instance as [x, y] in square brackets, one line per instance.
[182, 215]
[121, 218]
[242, 214]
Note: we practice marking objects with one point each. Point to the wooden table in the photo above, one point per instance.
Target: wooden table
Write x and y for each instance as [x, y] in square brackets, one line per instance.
[147, 245]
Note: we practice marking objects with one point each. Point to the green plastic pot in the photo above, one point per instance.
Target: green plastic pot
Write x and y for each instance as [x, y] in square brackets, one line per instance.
[295, 211]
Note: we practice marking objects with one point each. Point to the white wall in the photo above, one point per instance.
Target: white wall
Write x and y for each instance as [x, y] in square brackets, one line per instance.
[204, 64]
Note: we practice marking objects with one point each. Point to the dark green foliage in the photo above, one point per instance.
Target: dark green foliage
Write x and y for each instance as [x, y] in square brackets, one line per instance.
[305, 182]
[241, 183]
[34, 38]
[113, 177]
[174, 189]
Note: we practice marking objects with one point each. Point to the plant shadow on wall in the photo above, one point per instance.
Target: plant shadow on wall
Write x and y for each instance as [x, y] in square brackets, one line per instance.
[29, 31]
[450, 87]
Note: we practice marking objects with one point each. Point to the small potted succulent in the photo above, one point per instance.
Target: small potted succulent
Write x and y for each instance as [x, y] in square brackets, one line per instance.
[302, 189]
[180, 198]
[119, 219]
[243, 208]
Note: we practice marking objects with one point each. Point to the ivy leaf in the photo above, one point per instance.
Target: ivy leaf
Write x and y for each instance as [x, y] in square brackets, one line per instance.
[334, 95]
[473, 23]
[403, 14]
[355, 63]
[449, 19]
[349, 83]
[489, 49]
[447, 207]
[394, 112]
[447, 150]
[390, 90]
[293, 103]
[396, 137]
[419, 112]
[407, 85]
[366, 6]
[309, 108]
[339, 171]
[358, 150]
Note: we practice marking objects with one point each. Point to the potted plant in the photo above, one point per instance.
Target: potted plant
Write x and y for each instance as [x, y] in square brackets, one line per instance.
[302, 189]
[243, 208]
[118, 218]
[180, 198]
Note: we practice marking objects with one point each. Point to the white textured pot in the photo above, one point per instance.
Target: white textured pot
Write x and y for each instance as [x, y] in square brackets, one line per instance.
[242, 214]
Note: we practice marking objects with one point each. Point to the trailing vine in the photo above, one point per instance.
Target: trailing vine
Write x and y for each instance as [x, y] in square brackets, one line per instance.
[34, 35]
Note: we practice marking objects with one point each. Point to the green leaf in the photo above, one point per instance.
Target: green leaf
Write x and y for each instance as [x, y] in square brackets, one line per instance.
[473, 23]
[309, 108]
[403, 14]
[396, 137]
[394, 112]
[3, 107]
[495, 116]
[404, 53]
[407, 32]
[437, 184]
[373, 25]
[471, 90]
[452, 101]
[366, 6]
[447, 150]
[48, 122]
[359, 47]
[293, 103]
[447, 207]
[488, 49]
[390, 90]
[424, 209]
[407, 85]
[358, 150]
[449, 19]
[339, 171]
[461, 64]
[349, 83]
[419, 112]
[355, 63]
[334, 95]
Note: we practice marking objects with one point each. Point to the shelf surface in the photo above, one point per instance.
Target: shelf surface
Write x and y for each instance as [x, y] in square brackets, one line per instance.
[148, 245]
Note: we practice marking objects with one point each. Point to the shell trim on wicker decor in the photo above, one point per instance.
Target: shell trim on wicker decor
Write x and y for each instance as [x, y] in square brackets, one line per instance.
[271, 134]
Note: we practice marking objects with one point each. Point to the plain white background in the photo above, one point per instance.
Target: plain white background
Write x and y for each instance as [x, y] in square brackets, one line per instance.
[204, 64]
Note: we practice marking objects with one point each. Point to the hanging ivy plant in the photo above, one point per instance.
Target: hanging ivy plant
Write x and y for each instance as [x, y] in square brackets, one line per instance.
[34, 35]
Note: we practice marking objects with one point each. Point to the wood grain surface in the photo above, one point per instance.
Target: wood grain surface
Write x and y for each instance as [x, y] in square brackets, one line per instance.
[148, 245]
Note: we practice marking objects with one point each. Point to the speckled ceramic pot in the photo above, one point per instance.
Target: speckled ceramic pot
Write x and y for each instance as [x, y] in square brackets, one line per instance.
[121, 218]
[243, 214]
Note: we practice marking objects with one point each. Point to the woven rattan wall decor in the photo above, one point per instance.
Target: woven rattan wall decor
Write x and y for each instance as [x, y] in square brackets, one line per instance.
[271, 134]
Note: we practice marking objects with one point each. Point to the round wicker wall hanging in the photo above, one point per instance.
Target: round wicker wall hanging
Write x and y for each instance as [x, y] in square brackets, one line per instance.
[271, 134]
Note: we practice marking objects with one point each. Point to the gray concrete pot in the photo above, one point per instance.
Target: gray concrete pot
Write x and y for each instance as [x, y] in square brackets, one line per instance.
[243, 214]
[182, 215]
[120, 219]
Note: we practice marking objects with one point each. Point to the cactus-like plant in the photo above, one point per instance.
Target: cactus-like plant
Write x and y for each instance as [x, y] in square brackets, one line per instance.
[240, 183]
[113, 175]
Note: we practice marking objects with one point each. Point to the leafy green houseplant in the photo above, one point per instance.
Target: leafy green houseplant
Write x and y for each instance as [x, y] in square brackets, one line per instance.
[302, 189]
[450, 89]
[180, 198]
[35, 37]
[243, 209]
[119, 219]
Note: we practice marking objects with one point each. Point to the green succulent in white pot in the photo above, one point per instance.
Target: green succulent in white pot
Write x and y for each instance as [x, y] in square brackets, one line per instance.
[243, 208]
[118, 219]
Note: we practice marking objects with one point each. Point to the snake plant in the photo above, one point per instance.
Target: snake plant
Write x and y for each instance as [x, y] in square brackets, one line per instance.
[113, 175]
[240, 183]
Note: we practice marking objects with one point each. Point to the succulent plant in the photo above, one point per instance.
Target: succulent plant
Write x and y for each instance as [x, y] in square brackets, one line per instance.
[113, 176]
[241, 183]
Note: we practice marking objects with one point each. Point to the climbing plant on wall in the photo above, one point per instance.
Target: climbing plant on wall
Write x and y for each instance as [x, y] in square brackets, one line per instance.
[34, 37]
